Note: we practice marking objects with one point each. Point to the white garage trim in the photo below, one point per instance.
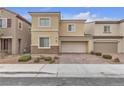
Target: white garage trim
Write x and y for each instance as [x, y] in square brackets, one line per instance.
[106, 47]
[74, 47]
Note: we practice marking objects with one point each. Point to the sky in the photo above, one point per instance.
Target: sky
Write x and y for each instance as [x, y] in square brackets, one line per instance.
[88, 13]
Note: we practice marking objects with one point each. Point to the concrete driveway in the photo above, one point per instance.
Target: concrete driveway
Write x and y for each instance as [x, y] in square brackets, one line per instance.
[81, 59]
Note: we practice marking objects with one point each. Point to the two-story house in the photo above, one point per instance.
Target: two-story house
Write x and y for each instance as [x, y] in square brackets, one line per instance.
[45, 32]
[50, 34]
[14, 32]
[108, 36]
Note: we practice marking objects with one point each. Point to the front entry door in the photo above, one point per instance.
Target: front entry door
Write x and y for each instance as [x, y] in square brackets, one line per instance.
[19, 46]
[4, 44]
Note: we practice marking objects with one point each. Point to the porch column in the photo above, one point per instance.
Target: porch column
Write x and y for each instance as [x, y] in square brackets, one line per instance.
[14, 46]
[90, 46]
[9, 46]
[0, 45]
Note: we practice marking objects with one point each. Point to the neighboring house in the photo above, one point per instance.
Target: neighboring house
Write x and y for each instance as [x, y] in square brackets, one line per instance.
[14, 32]
[108, 36]
[50, 35]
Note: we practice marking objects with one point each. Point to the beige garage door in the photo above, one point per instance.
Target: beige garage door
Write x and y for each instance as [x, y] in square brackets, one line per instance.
[74, 47]
[105, 47]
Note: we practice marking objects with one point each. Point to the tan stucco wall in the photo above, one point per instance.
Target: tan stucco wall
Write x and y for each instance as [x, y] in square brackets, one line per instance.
[121, 29]
[122, 45]
[54, 21]
[52, 32]
[99, 30]
[53, 36]
[90, 45]
[89, 28]
[64, 30]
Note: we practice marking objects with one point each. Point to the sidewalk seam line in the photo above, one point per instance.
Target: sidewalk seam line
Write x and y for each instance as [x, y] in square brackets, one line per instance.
[40, 69]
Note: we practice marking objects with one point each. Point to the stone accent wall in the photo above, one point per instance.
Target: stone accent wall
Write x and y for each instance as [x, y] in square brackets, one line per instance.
[52, 50]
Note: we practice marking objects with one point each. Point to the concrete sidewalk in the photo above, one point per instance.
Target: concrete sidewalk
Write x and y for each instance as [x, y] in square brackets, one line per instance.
[62, 70]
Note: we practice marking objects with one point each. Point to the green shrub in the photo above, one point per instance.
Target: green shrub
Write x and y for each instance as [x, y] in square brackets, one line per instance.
[37, 60]
[48, 58]
[116, 60]
[24, 58]
[98, 53]
[107, 56]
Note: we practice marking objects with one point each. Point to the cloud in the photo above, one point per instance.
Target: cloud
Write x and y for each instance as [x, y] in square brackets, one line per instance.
[85, 15]
[89, 17]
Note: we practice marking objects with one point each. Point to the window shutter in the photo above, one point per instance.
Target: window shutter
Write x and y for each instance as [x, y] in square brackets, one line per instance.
[9, 22]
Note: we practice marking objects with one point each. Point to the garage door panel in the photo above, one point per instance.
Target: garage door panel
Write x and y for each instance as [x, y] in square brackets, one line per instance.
[105, 47]
[74, 47]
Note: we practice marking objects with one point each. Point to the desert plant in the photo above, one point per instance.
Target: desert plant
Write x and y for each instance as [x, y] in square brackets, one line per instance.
[37, 60]
[107, 56]
[92, 52]
[24, 58]
[52, 61]
[116, 60]
[48, 58]
[56, 57]
[42, 57]
[98, 53]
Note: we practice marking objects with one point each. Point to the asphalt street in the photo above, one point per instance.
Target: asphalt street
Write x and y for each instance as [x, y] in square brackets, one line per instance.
[52, 81]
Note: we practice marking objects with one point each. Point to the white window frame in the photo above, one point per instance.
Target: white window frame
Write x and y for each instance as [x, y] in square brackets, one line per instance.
[44, 17]
[39, 42]
[5, 23]
[107, 29]
[74, 27]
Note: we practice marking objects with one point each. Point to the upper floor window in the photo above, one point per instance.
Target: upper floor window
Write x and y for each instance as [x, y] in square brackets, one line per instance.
[3, 23]
[0, 23]
[71, 28]
[106, 29]
[44, 22]
[20, 25]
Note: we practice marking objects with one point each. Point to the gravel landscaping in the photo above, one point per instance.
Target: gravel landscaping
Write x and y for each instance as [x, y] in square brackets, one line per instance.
[62, 59]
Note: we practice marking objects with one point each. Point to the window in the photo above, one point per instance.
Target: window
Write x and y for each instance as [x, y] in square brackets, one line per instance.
[44, 42]
[20, 25]
[71, 28]
[0, 23]
[44, 22]
[106, 29]
[3, 23]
